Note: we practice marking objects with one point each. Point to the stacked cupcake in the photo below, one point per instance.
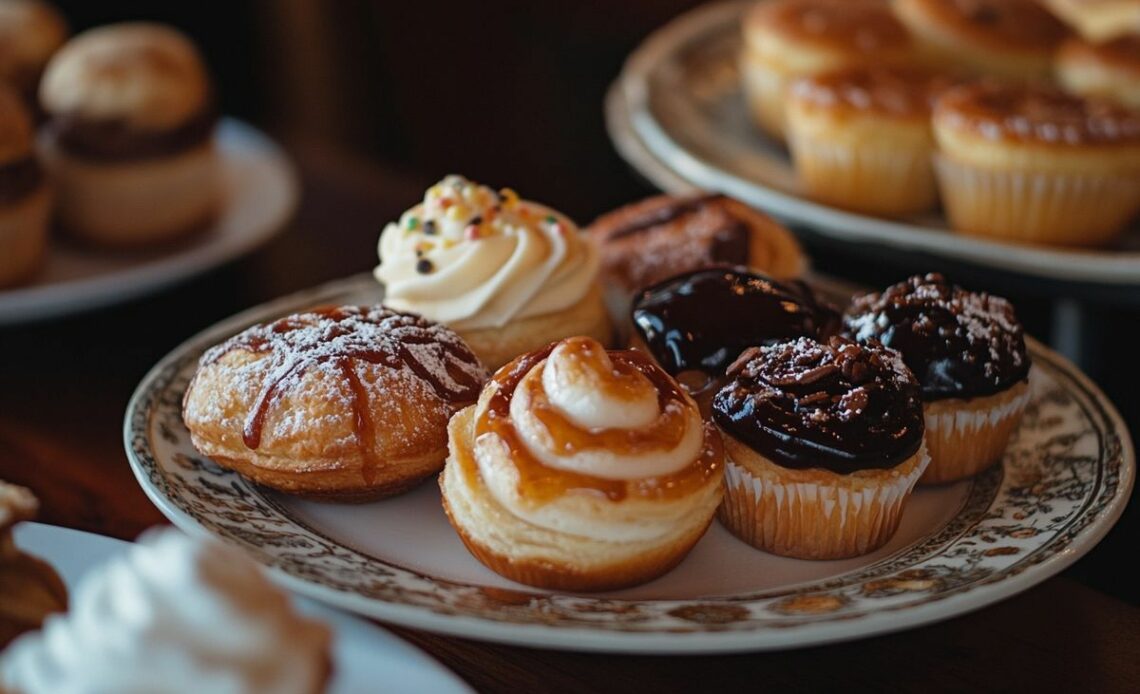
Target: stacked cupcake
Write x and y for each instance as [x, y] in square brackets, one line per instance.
[125, 117]
[958, 107]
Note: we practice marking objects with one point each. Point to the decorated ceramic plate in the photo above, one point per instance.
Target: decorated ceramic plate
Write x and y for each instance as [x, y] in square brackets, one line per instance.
[677, 115]
[1064, 481]
[260, 190]
[363, 654]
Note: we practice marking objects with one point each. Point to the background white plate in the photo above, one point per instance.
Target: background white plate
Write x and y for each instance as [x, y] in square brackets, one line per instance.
[261, 192]
[1064, 481]
[677, 116]
[364, 655]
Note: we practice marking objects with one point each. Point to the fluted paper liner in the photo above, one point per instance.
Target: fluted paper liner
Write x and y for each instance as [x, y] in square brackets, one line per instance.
[816, 513]
[863, 176]
[965, 437]
[1036, 206]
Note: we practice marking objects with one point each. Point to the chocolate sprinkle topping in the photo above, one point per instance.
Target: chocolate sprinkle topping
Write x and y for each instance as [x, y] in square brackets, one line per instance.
[703, 320]
[959, 344]
[424, 266]
[839, 405]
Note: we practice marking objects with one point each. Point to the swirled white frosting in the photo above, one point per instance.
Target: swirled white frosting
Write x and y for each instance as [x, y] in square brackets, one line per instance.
[174, 614]
[471, 258]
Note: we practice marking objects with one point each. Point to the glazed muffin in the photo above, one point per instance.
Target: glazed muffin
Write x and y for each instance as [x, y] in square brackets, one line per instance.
[129, 137]
[25, 196]
[1010, 39]
[1099, 20]
[347, 404]
[1032, 164]
[823, 446]
[171, 614]
[30, 588]
[30, 33]
[694, 325]
[861, 138]
[581, 469]
[1110, 69]
[785, 39]
[652, 240]
[967, 350]
[508, 275]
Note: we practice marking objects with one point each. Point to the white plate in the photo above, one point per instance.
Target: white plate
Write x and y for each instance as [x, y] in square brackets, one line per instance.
[676, 114]
[363, 654]
[1064, 482]
[261, 192]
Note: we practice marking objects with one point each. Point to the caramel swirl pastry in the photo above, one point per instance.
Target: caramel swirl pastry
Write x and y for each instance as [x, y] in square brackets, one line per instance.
[581, 469]
[347, 403]
[823, 446]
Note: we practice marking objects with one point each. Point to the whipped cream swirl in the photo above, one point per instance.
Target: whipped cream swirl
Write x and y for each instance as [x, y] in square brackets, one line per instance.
[472, 257]
[172, 613]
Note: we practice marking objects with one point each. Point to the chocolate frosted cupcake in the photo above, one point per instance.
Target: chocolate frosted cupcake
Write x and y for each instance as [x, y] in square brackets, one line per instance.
[657, 238]
[968, 352]
[823, 445]
[696, 324]
[25, 196]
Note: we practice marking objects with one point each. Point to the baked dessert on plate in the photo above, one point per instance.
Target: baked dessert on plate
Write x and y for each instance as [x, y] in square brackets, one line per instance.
[823, 446]
[1099, 20]
[1110, 69]
[1009, 39]
[581, 469]
[30, 589]
[129, 136]
[25, 194]
[342, 403]
[1035, 165]
[785, 39]
[646, 242]
[967, 350]
[860, 138]
[31, 31]
[173, 614]
[694, 325]
[508, 275]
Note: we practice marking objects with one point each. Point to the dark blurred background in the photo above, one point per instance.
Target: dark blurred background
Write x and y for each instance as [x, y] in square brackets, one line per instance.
[510, 92]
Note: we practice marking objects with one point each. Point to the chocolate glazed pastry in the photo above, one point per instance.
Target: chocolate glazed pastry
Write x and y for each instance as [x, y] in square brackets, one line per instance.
[701, 321]
[823, 443]
[119, 141]
[968, 352]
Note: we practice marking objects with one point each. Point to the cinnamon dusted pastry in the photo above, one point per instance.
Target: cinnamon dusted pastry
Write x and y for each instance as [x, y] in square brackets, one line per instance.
[29, 588]
[129, 138]
[346, 403]
[696, 324]
[823, 445]
[581, 469]
[657, 238]
[25, 196]
[30, 32]
[967, 350]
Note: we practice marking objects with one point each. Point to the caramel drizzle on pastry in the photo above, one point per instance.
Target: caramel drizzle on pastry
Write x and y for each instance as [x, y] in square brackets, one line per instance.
[540, 483]
[342, 335]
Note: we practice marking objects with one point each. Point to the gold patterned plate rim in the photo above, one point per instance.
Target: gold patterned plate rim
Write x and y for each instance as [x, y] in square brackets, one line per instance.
[1062, 485]
[676, 115]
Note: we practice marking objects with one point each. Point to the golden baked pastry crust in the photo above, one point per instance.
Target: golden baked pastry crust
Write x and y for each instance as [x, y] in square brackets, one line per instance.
[341, 403]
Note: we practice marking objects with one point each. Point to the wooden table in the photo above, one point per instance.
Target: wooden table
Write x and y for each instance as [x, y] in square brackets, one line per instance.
[64, 386]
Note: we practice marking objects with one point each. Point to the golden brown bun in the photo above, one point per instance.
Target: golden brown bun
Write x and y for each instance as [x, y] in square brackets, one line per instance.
[784, 39]
[1099, 20]
[17, 133]
[30, 32]
[1109, 70]
[654, 239]
[144, 75]
[1002, 38]
[348, 403]
[30, 588]
[497, 346]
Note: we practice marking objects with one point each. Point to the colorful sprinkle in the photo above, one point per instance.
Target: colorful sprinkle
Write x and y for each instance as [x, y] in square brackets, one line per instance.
[430, 227]
[412, 223]
[424, 266]
[550, 219]
[476, 221]
[471, 233]
[456, 213]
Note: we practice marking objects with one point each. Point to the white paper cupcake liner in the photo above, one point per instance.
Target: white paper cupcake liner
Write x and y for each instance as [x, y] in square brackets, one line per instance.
[844, 517]
[1036, 207]
[965, 437]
